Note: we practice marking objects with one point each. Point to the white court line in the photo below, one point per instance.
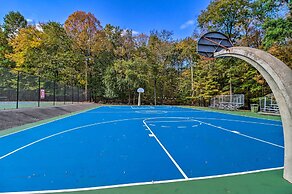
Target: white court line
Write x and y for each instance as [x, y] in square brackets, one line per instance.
[142, 108]
[232, 120]
[231, 131]
[142, 183]
[151, 111]
[170, 121]
[62, 132]
[65, 131]
[114, 186]
[158, 107]
[124, 112]
[165, 150]
[226, 113]
[168, 111]
[73, 114]
[118, 107]
[241, 134]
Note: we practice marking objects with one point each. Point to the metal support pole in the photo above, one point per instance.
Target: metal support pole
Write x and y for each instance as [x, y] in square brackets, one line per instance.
[39, 99]
[17, 91]
[90, 95]
[78, 99]
[72, 95]
[230, 91]
[64, 94]
[139, 99]
[54, 103]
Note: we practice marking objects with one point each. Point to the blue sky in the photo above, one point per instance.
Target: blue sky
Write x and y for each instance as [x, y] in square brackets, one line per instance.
[141, 16]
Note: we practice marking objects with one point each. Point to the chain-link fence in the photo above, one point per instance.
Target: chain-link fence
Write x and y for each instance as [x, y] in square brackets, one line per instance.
[22, 90]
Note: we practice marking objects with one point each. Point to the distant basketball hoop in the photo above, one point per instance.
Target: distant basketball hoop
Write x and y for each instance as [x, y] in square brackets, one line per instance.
[212, 42]
[140, 90]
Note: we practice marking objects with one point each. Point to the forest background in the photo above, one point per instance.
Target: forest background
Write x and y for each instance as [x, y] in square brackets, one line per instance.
[111, 63]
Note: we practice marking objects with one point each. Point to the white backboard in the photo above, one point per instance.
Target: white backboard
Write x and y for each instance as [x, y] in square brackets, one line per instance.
[140, 90]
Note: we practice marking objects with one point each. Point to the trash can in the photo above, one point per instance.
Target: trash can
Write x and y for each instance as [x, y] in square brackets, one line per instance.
[254, 107]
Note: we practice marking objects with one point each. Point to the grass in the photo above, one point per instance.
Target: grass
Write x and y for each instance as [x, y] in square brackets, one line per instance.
[270, 182]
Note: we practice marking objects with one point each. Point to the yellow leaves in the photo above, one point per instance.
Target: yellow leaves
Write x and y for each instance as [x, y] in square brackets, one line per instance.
[283, 52]
[259, 79]
[82, 28]
[27, 39]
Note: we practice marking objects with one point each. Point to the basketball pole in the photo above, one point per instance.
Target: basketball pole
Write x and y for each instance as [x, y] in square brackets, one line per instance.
[139, 99]
[140, 90]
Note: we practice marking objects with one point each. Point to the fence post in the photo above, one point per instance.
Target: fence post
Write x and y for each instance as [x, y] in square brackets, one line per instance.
[78, 95]
[65, 94]
[17, 90]
[72, 94]
[54, 103]
[39, 99]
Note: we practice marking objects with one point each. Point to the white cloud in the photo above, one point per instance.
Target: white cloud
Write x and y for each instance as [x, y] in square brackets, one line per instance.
[187, 24]
[29, 20]
[32, 22]
[134, 33]
[124, 32]
[39, 27]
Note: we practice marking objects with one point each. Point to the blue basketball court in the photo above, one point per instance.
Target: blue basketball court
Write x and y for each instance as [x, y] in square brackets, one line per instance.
[114, 146]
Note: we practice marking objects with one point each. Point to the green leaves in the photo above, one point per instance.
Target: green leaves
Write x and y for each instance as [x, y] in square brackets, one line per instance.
[278, 31]
[114, 62]
[124, 77]
[226, 16]
[13, 22]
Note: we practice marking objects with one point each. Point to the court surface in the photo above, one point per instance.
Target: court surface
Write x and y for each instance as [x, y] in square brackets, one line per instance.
[114, 146]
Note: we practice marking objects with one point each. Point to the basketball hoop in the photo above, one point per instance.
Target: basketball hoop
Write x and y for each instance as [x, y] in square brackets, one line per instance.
[140, 90]
[212, 42]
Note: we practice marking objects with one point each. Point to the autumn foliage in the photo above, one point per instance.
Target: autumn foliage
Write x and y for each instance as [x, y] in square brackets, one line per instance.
[113, 62]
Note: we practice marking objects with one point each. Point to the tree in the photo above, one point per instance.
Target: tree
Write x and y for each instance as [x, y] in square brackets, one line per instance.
[278, 31]
[226, 16]
[160, 47]
[82, 27]
[124, 77]
[13, 22]
[4, 50]
[283, 52]
[27, 41]
[187, 57]
[267, 9]
[48, 53]
[55, 57]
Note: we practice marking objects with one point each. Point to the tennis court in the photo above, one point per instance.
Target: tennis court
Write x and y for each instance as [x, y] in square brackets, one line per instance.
[6, 105]
[114, 146]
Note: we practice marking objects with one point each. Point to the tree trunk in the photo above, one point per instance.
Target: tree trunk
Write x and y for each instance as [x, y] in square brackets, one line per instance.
[134, 99]
[129, 101]
[86, 80]
[192, 83]
[162, 94]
